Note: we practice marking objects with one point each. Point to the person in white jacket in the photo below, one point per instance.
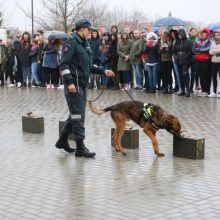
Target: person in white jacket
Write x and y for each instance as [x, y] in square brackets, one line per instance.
[215, 53]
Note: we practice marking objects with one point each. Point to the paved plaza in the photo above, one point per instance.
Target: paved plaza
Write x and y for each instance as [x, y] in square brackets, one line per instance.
[39, 181]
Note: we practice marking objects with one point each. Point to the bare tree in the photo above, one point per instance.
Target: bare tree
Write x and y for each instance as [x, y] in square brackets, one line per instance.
[1, 18]
[97, 14]
[57, 14]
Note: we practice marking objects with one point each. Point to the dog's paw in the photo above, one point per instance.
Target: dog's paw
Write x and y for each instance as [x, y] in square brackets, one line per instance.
[124, 152]
[161, 154]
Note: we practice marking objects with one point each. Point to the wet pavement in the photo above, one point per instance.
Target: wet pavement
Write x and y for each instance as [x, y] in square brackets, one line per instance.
[39, 181]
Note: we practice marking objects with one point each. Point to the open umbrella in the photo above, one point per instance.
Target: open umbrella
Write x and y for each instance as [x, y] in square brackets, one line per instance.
[214, 27]
[169, 22]
[58, 35]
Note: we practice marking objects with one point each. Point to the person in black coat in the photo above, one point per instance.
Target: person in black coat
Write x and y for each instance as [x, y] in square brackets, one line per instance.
[94, 45]
[182, 52]
[113, 59]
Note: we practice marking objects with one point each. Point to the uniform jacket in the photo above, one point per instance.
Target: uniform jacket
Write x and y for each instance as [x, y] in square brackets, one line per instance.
[76, 61]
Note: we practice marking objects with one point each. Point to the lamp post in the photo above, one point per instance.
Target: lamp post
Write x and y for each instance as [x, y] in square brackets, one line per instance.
[32, 17]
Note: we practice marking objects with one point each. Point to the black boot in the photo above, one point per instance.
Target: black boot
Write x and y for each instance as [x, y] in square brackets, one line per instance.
[82, 151]
[62, 143]
[188, 93]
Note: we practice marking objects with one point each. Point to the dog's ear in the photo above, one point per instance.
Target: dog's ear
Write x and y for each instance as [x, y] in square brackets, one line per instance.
[172, 122]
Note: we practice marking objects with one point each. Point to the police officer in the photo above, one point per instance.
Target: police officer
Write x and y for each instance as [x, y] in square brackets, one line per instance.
[76, 65]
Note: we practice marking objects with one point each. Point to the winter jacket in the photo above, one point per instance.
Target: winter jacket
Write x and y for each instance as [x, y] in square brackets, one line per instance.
[112, 54]
[2, 55]
[103, 58]
[182, 50]
[49, 57]
[10, 56]
[152, 53]
[123, 50]
[40, 54]
[94, 45]
[137, 47]
[24, 51]
[33, 54]
[16, 46]
[166, 52]
[215, 52]
[201, 47]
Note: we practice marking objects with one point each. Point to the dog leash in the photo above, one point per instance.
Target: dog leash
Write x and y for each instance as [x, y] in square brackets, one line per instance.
[117, 78]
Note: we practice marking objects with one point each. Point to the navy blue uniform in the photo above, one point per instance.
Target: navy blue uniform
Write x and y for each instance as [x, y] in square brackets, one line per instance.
[76, 65]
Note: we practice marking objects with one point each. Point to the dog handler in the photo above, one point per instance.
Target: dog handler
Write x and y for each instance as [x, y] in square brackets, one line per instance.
[76, 65]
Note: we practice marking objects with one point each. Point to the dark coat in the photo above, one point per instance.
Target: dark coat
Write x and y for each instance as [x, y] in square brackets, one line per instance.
[33, 55]
[50, 57]
[152, 53]
[10, 56]
[24, 51]
[113, 55]
[94, 45]
[182, 50]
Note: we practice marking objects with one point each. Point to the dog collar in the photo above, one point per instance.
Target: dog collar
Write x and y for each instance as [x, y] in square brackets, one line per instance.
[147, 113]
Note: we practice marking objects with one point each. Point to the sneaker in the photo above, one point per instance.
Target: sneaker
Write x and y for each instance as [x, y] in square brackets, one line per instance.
[60, 87]
[212, 95]
[198, 88]
[19, 84]
[218, 95]
[48, 86]
[52, 86]
[11, 85]
[203, 94]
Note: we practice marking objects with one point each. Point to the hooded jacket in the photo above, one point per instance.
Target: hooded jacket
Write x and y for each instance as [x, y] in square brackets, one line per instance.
[94, 45]
[182, 50]
[201, 47]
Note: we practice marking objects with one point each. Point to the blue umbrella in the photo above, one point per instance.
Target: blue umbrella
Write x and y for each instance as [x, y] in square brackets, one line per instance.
[214, 27]
[169, 22]
[58, 36]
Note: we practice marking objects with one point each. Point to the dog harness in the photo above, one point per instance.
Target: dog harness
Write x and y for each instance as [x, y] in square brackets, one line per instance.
[147, 113]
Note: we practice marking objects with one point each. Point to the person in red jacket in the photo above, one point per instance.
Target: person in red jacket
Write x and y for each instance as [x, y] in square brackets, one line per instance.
[203, 59]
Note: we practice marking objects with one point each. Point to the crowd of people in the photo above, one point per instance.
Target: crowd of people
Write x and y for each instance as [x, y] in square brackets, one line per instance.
[165, 61]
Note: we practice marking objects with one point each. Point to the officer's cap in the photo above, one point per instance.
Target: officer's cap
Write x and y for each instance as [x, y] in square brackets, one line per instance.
[83, 22]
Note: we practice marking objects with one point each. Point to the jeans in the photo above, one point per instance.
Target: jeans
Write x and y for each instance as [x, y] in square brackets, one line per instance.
[26, 73]
[183, 71]
[138, 72]
[152, 74]
[104, 78]
[176, 75]
[77, 105]
[34, 70]
[193, 74]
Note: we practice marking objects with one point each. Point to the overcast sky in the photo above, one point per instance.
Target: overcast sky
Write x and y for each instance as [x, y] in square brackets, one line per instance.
[194, 10]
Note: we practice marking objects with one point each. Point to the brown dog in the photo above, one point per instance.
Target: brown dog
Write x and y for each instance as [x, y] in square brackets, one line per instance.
[134, 110]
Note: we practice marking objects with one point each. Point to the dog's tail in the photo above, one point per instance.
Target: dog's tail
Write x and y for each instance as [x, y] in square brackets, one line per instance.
[98, 111]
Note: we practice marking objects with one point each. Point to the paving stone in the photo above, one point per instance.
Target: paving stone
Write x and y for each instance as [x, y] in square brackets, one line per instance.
[39, 181]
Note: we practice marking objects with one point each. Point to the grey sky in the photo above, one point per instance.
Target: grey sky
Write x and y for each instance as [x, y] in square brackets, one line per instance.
[195, 10]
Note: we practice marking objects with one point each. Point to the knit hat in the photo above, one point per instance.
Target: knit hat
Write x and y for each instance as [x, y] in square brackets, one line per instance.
[206, 30]
[152, 34]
